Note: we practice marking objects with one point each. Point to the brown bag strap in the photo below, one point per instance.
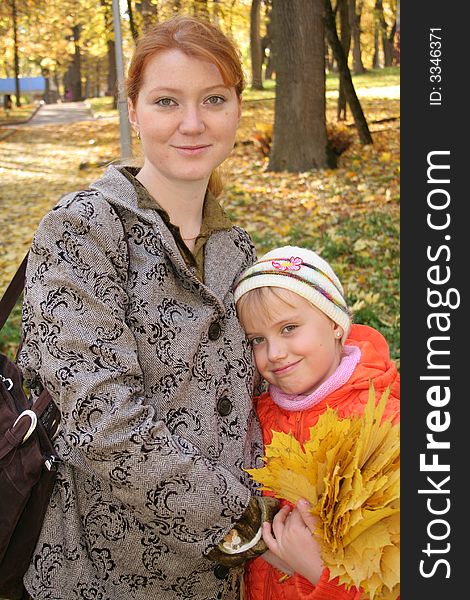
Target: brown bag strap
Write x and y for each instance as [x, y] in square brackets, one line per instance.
[42, 402]
[14, 435]
[13, 292]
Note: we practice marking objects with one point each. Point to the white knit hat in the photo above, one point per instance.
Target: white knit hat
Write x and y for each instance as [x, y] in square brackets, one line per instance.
[301, 271]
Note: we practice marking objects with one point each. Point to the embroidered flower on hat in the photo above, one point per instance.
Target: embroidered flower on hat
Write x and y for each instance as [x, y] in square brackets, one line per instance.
[293, 264]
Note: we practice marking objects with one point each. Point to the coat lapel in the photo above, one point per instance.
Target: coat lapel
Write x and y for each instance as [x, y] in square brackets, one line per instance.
[223, 262]
[223, 259]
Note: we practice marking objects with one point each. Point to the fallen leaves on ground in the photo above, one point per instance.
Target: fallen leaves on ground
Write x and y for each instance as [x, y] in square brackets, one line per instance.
[350, 215]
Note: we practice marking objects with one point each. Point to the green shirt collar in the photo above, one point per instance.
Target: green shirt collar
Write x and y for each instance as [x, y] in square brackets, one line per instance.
[214, 218]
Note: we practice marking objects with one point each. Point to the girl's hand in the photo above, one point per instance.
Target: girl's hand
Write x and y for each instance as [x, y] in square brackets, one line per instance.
[277, 563]
[293, 541]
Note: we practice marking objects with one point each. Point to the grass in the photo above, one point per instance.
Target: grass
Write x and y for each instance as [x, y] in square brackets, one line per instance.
[389, 76]
[17, 115]
[103, 106]
[350, 215]
[11, 333]
[373, 78]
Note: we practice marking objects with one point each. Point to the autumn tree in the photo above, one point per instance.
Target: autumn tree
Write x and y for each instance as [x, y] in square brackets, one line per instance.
[111, 50]
[201, 10]
[342, 9]
[384, 33]
[300, 140]
[73, 77]
[255, 46]
[149, 13]
[355, 13]
[132, 24]
[397, 44]
[345, 75]
[14, 21]
[266, 42]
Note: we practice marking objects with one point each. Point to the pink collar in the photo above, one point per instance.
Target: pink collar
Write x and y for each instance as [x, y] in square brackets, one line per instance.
[294, 402]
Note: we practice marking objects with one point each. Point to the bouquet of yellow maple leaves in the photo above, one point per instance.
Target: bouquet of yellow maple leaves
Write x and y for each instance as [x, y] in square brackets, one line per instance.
[349, 471]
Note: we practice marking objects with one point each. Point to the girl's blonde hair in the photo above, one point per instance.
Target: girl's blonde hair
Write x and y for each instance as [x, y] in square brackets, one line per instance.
[196, 38]
[259, 302]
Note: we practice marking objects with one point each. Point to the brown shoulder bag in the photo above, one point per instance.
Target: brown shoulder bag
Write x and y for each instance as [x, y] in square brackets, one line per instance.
[27, 457]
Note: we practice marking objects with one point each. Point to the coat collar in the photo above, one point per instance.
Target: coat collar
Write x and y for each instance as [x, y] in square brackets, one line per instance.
[223, 257]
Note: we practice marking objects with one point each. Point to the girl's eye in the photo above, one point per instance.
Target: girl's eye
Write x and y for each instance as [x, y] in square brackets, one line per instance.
[165, 102]
[289, 328]
[215, 100]
[256, 341]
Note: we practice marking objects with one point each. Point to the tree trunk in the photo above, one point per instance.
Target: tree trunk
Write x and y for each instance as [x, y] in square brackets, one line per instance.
[355, 23]
[217, 12]
[14, 15]
[387, 38]
[330, 64]
[112, 75]
[111, 52]
[389, 46]
[149, 14]
[345, 74]
[300, 141]
[397, 45]
[255, 46]
[98, 78]
[76, 79]
[201, 10]
[343, 9]
[376, 57]
[56, 81]
[130, 12]
[267, 43]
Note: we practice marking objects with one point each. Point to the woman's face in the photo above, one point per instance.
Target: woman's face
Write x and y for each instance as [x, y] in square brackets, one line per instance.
[187, 117]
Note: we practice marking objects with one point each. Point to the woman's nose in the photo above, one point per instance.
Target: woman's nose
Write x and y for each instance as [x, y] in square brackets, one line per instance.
[192, 122]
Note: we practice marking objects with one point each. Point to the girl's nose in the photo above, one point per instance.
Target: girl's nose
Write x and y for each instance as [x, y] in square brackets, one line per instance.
[192, 122]
[276, 351]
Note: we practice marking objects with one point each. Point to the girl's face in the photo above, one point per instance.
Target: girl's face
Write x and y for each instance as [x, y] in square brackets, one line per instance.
[295, 346]
[186, 115]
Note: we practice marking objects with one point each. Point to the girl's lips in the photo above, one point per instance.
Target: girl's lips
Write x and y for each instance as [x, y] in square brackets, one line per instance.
[286, 369]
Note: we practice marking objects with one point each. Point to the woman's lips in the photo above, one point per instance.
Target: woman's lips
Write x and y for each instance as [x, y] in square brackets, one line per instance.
[192, 150]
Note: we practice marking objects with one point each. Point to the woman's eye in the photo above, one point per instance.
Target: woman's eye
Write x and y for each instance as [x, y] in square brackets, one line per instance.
[215, 100]
[256, 341]
[165, 102]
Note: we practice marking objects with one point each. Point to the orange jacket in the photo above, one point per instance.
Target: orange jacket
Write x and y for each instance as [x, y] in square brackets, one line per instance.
[261, 579]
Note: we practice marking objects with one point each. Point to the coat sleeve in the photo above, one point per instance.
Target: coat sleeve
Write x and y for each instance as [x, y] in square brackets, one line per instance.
[325, 589]
[77, 341]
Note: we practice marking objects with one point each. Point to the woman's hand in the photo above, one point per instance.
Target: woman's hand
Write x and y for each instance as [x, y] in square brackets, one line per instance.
[291, 539]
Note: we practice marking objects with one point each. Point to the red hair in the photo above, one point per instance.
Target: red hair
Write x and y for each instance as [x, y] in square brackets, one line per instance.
[195, 38]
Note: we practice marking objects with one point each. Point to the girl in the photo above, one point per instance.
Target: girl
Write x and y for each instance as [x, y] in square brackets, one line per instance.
[292, 307]
[129, 322]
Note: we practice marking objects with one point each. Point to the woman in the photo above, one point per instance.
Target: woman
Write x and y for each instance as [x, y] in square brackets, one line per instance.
[129, 322]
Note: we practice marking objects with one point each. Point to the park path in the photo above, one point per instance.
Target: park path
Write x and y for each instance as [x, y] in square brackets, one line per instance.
[39, 161]
[61, 113]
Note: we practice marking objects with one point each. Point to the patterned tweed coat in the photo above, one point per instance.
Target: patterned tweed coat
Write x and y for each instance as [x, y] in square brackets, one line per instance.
[154, 379]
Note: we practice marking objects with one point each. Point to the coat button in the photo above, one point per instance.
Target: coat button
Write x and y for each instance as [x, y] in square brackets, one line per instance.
[224, 407]
[221, 571]
[214, 331]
